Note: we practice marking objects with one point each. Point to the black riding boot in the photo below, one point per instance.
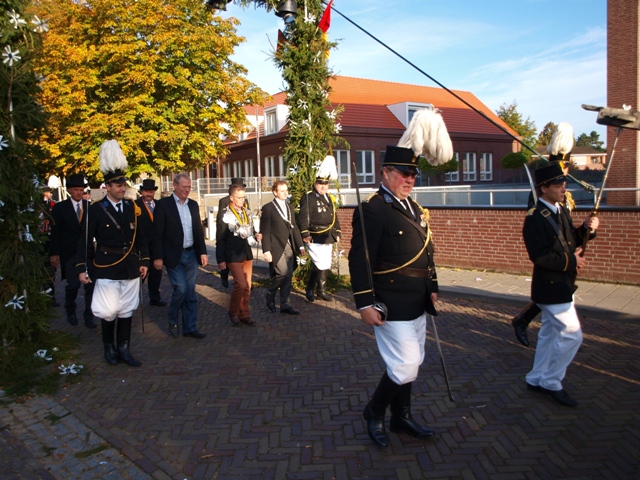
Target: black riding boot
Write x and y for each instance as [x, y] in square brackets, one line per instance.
[108, 329]
[124, 338]
[311, 284]
[375, 410]
[401, 418]
[322, 286]
[521, 321]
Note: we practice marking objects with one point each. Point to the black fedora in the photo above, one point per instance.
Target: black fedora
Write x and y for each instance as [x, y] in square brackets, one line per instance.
[76, 180]
[148, 184]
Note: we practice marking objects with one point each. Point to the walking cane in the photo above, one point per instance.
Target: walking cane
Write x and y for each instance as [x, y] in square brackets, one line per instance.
[444, 367]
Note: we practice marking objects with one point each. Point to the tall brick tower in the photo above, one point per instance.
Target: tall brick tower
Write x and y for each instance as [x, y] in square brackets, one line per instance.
[623, 87]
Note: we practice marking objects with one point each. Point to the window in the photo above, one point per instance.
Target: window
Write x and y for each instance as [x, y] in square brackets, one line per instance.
[343, 159]
[248, 168]
[237, 169]
[453, 176]
[364, 166]
[469, 167]
[271, 124]
[281, 166]
[269, 166]
[486, 167]
[227, 170]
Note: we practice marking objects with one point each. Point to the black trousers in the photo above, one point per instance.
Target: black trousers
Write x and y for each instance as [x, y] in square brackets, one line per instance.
[281, 274]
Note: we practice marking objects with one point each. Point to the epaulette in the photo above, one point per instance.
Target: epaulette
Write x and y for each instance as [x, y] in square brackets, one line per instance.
[136, 209]
[531, 210]
[369, 197]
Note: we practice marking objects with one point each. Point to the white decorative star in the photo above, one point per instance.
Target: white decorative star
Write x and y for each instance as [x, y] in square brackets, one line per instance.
[40, 25]
[16, 302]
[3, 144]
[15, 20]
[43, 355]
[11, 56]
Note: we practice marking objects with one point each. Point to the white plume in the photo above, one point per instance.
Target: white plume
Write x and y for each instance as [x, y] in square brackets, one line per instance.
[328, 169]
[427, 135]
[111, 157]
[562, 140]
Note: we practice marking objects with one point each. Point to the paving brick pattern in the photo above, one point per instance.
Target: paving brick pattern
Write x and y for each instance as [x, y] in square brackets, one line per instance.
[283, 400]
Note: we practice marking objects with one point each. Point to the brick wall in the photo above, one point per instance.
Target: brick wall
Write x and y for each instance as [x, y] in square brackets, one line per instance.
[491, 239]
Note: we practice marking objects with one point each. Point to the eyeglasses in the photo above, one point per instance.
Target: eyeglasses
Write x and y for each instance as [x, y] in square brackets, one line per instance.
[404, 174]
[239, 198]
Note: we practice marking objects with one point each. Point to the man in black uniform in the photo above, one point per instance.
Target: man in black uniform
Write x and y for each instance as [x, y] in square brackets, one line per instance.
[320, 228]
[553, 245]
[69, 219]
[400, 252]
[121, 257]
[223, 203]
[147, 205]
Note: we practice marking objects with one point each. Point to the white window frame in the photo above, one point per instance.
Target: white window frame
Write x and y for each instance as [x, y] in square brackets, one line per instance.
[486, 167]
[365, 163]
[269, 166]
[343, 161]
[453, 176]
[469, 167]
[270, 122]
[248, 168]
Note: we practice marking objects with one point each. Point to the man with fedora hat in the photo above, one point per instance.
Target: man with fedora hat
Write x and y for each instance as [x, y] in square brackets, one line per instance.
[395, 269]
[68, 219]
[222, 205]
[147, 205]
[553, 246]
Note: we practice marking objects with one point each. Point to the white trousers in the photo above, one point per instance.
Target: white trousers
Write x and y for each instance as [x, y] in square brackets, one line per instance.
[320, 254]
[401, 344]
[115, 298]
[559, 339]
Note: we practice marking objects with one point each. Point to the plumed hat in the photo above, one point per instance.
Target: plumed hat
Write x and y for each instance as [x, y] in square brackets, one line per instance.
[561, 144]
[549, 174]
[76, 180]
[327, 169]
[113, 163]
[427, 135]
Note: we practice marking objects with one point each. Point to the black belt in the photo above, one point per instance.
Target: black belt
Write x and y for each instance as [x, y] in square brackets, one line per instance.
[407, 271]
[113, 250]
[188, 249]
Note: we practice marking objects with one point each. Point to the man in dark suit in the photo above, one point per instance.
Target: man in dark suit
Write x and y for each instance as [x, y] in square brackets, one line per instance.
[223, 203]
[281, 241]
[69, 216]
[147, 205]
[179, 245]
[121, 257]
[553, 245]
[404, 279]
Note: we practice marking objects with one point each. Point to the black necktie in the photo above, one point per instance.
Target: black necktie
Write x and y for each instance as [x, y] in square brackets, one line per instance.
[118, 208]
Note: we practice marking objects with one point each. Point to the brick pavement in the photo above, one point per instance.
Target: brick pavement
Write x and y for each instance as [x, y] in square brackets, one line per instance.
[283, 400]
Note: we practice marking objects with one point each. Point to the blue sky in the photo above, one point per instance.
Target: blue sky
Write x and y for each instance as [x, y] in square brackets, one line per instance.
[549, 56]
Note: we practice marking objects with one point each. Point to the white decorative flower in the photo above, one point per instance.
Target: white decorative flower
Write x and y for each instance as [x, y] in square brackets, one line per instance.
[16, 302]
[301, 260]
[3, 144]
[309, 18]
[338, 127]
[293, 170]
[303, 104]
[40, 25]
[331, 115]
[72, 369]
[47, 292]
[43, 355]
[27, 236]
[15, 20]
[339, 254]
[10, 56]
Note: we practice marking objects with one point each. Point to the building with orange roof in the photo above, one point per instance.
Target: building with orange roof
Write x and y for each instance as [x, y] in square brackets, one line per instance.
[376, 113]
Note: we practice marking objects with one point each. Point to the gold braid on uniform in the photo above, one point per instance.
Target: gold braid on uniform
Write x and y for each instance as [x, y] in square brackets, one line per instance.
[569, 202]
[136, 212]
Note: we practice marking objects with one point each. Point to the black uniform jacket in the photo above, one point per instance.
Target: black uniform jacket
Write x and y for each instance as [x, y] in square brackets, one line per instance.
[66, 232]
[394, 239]
[554, 267]
[229, 247]
[318, 218]
[276, 231]
[120, 246]
[168, 235]
[145, 221]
